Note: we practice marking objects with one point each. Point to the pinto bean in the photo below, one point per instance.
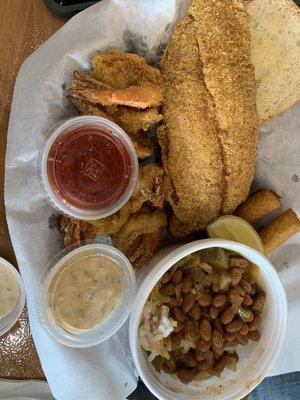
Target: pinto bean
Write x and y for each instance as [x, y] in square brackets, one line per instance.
[186, 375]
[205, 329]
[165, 278]
[203, 346]
[177, 276]
[246, 286]
[227, 315]
[179, 314]
[247, 300]
[217, 339]
[189, 329]
[258, 301]
[234, 298]
[218, 325]
[196, 311]
[168, 289]
[205, 300]
[187, 284]
[238, 262]
[176, 339]
[188, 302]
[235, 276]
[199, 355]
[169, 367]
[244, 330]
[243, 339]
[230, 336]
[219, 365]
[255, 335]
[189, 360]
[253, 325]
[234, 326]
[220, 300]
[213, 312]
[203, 365]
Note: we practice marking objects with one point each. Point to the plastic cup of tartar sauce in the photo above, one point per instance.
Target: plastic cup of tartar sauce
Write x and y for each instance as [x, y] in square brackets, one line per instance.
[86, 294]
[87, 167]
[12, 296]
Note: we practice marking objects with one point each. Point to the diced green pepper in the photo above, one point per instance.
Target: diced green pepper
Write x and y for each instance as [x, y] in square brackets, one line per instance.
[245, 314]
[216, 257]
[158, 363]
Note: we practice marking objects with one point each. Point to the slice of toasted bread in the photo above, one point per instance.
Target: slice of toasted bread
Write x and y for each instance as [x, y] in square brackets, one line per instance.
[275, 28]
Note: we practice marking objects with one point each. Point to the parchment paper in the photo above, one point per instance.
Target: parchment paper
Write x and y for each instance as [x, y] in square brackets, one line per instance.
[106, 371]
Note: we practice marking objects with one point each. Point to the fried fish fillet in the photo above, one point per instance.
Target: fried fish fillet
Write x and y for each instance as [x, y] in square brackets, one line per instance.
[131, 120]
[191, 150]
[140, 237]
[223, 35]
[148, 191]
[120, 70]
[210, 139]
[143, 96]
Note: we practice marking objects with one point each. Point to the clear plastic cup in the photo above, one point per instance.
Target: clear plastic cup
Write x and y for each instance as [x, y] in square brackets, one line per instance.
[9, 320]
[92, 170]
[99, 333]
[256, 359]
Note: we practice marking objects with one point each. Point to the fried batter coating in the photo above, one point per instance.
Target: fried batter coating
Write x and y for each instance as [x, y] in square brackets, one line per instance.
[224, 39]
[71, 229]
[131, 122]
[140, 236]
[258, 205]
[143, 96]
[279, 230]
[190, 147]
[148, 189]
[120, 70]
[210, 139]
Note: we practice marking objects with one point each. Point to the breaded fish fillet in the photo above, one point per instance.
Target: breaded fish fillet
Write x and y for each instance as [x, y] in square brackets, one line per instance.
[223, 34]
[120, 70]
[210, 138]
[191, 150]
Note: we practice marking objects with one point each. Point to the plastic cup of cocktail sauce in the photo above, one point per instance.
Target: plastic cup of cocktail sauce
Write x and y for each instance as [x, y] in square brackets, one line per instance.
[88, 167]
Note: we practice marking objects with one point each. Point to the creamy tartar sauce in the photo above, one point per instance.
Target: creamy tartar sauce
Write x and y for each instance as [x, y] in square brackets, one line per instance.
[85, 292]
[9, 291]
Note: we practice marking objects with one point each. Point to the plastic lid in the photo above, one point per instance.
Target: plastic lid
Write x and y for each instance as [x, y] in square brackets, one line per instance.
[8, 320]
[87, 167]
[66, 333]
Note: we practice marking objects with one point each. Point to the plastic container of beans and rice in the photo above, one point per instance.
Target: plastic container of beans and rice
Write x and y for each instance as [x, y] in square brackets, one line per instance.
[255, 360]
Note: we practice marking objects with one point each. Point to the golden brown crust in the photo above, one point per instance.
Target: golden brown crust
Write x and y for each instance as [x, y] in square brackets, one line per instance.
[148, 189]
[210, 138]
[279, 230]
[120, 70]
[191, 152]
[258, 205]
[142, 96]
[139, 238]
[223, 34]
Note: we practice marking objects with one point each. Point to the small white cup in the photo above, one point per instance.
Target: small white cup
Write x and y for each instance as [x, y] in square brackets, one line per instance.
[71, 124]
[113, 323]
[256, 359]
[9, 320]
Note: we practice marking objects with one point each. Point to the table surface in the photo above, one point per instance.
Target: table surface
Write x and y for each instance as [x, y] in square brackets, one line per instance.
[25, 25]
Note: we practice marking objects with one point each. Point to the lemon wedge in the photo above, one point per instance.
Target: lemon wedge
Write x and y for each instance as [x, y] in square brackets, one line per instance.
[237, 229]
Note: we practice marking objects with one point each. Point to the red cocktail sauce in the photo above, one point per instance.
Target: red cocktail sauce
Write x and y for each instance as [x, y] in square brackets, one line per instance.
[89, 168]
